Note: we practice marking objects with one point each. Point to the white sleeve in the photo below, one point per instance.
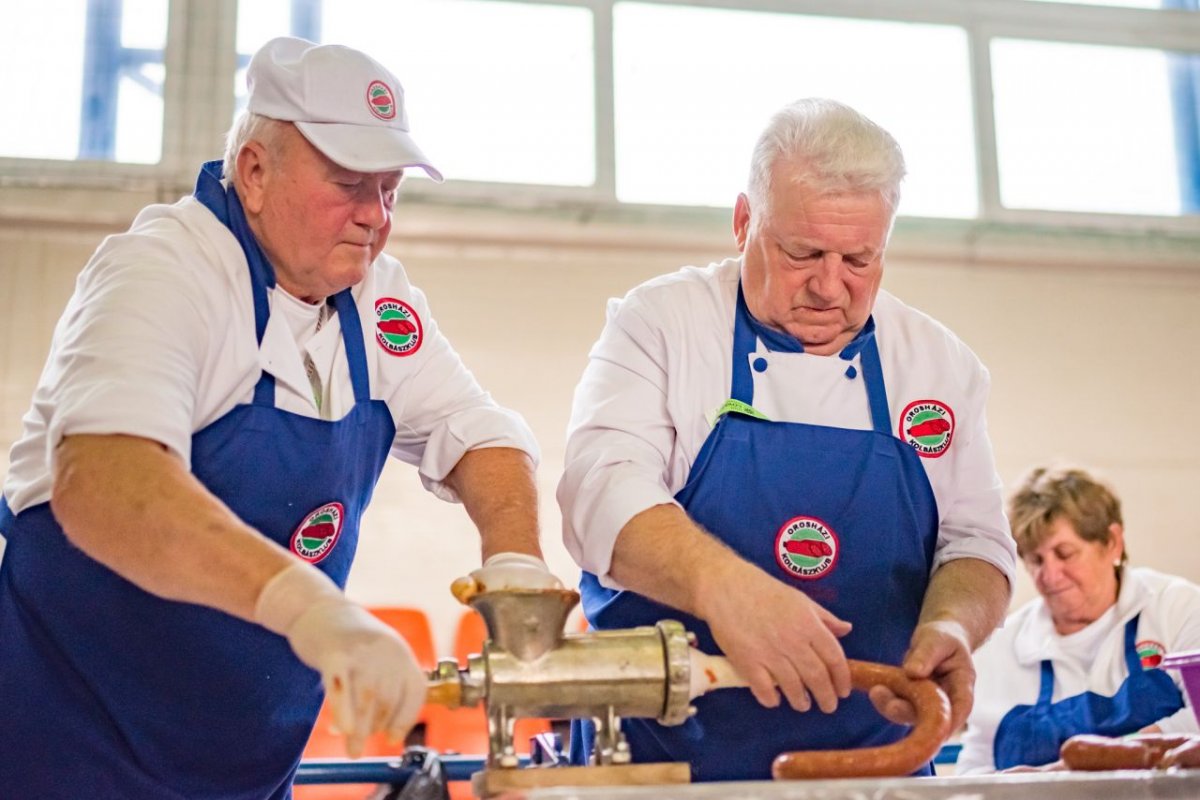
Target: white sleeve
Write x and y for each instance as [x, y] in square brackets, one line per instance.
[441, 411]
[129, 348]
[974, 525]
[619, 439]
[975, 758]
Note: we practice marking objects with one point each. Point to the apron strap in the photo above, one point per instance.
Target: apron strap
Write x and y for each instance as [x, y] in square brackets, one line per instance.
[1133, 662]
[352, 338]
[1046, 691]
[744, 343]
[6, 516]
[223, 202]
[881, 416]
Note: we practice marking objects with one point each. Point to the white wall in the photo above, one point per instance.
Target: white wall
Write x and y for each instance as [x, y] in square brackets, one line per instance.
[1092, 352]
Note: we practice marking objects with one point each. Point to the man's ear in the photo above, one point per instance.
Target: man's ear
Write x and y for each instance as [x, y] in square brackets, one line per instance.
[252, 167]
[741, 221]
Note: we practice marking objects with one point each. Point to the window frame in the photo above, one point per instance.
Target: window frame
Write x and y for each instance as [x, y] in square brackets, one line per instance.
[201, 60]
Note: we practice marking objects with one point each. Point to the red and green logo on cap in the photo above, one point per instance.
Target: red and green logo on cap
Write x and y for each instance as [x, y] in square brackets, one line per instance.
[318, 533]
[397, 327]
[381, 101]
[806, 548]
[927, 426]
[1151, 653]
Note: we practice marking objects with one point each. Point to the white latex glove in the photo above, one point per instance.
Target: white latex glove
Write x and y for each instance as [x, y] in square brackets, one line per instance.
[371, 679]
[514, 571]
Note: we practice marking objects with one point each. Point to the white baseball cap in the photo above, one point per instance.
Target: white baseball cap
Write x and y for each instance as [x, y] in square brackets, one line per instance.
[347, 104]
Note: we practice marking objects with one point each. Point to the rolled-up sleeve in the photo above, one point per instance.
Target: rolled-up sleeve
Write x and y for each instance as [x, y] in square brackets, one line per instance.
[619, 439]
[974, 525]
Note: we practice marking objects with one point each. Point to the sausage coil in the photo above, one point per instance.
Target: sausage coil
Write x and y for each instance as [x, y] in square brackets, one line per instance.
[900, 758]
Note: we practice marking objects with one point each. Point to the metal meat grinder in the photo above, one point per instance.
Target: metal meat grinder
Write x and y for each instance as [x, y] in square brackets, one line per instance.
[530, 667]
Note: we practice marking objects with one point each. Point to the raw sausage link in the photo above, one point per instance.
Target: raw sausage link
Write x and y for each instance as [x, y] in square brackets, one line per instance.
[1090, 753]
[901, 758]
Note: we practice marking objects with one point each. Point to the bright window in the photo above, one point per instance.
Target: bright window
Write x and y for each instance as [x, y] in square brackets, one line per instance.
[690, 105]
[1085, 128]
[84, 79]
[495, 91]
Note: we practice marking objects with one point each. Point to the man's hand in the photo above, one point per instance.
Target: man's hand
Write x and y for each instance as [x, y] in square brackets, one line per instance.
[514, 571]
[372, 681]
[775, 636]
[941, 651]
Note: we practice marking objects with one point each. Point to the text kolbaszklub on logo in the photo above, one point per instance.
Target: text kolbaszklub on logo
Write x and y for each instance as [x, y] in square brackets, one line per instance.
[927, 426]
[806, 548]
[398, 329]
[315, 537]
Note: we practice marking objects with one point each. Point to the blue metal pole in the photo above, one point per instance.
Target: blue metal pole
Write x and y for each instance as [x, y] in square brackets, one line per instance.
[101, 75]
[1185, 105]
[382, 770]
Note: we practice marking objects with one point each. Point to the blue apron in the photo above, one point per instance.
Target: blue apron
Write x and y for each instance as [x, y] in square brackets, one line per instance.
[107, 691]
[752, 481]
[1033, 734]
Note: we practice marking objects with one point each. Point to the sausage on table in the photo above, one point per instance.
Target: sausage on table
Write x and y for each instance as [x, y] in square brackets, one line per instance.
[1091, 753]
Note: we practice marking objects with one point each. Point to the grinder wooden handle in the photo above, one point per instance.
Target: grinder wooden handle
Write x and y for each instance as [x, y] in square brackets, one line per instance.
[901, 758]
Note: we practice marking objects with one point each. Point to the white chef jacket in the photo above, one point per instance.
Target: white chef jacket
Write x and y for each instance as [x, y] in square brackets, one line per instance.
[1008, 666]
[661, 369]
[158, 341]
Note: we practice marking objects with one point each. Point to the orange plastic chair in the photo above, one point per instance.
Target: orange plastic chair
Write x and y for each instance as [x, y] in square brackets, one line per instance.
[413, 625]
[469, 636]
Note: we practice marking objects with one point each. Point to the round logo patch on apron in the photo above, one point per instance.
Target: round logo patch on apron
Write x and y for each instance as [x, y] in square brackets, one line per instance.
[397, 327]
[927, 426]
[381, 101]
[318, 533]
[806, 548]
[1150, 652]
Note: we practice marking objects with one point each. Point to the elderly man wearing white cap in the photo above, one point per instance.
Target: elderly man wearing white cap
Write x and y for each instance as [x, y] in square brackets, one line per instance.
[184, 503]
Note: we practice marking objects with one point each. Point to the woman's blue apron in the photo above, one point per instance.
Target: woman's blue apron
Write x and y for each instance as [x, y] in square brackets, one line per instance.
[108, 691]
[1033, 734]
[751, 479]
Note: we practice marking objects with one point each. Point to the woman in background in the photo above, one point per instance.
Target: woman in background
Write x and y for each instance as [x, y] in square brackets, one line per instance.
[1083, 657]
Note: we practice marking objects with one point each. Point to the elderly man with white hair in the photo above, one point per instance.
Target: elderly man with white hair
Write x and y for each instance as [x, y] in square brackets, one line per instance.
[793, 462]
[184, 503]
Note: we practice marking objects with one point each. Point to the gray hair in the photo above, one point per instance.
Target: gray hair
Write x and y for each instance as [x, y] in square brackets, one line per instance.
[833, 149]
[249, 126]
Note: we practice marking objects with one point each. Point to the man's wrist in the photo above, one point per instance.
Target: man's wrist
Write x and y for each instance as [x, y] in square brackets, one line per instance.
[513, 558]
[292, 591]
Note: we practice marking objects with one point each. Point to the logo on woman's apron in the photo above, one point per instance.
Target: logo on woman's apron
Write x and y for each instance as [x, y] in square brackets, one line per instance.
[927, 426]
[319, 532]
[397, 327]
[806, 548]
[1150, 653]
